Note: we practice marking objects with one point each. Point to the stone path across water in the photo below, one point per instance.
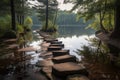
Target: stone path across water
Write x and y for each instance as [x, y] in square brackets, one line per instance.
[58, 62]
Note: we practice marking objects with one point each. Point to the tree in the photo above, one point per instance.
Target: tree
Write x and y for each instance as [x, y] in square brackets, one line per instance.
[116, 31]
[106, 10]
[13, 15]
[22, 9]
[46, 15]
[13, 9]
[4, 7]
[95, 9]
[46, 10]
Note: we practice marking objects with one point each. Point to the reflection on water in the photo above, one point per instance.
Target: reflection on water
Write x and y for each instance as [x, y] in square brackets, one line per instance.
[35, 57]
[69, 31]
[74, 42]
[73, 37]
[36, 45]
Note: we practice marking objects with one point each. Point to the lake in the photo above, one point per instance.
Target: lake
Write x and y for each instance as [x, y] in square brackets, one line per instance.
[73, 37]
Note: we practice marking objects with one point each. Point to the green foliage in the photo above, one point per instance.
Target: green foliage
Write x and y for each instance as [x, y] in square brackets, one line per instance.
[90, 54]
[86, 52]
[51, 27]
[95, 24]
[21, 7]
[20, 40]
[5, 24]
[108, 22]
[95, 52]
[94, 42]
[27, 29]
[20, 29]
[24, 31]
[28, 23]
[100, 11]
[41, 9]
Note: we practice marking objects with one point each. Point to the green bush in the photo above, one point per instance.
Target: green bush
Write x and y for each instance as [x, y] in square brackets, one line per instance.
[20, 29]
[28, 23]
[25, 29]
[95, 52]
[51, 27]
[92, 55]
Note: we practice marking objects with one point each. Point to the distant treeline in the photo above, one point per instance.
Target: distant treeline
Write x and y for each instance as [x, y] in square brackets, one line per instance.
[63, 18]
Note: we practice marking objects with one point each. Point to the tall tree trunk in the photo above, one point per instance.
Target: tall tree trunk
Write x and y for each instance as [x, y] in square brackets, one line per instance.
[13, 15]
[20, 20]
[55, 17]
[46, 26]
[17, 18]
[116, 32]
[22, 15]
[23, 19]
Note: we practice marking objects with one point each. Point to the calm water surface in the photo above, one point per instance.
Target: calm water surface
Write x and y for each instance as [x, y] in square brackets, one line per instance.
[75, 42]
[73, 37]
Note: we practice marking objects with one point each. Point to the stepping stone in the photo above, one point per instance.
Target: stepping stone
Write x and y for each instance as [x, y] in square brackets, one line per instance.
[9, 41]
[56, 42]
[62, 45]
[52, 48]
[13, 46]
[54, 53]
[50, 40]
[45, 54]
[39, 37]
[64, 58]
[44, 44]
[69, 68]
[44, 48]
[60, 52]
[46, 36]
[27, 49]
[43, 34]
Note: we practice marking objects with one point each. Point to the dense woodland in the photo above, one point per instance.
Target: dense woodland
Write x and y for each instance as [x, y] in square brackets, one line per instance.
[63, 18]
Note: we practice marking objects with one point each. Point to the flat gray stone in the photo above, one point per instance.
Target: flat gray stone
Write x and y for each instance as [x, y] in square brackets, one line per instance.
[52, 48]
[68, 68]
[60, 53]
[64, 58]
[62, 45]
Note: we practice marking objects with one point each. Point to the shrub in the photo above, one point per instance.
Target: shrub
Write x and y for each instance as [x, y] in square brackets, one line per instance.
[51, 27]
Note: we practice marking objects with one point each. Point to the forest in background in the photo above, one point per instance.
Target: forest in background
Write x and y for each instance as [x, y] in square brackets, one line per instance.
[64, 18]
